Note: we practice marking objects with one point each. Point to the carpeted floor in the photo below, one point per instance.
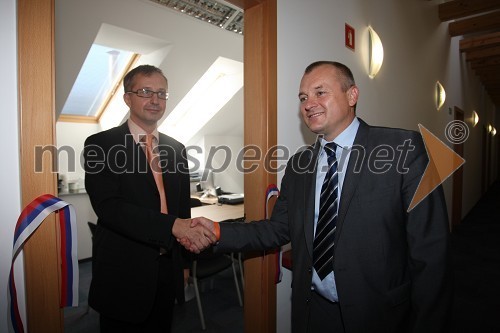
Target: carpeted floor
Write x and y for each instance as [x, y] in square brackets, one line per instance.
[476, 261]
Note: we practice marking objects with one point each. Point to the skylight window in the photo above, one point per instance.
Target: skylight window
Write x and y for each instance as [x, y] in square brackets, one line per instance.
[99, 76]
[213, 90]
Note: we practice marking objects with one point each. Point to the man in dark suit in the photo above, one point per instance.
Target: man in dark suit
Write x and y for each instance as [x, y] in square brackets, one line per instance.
[389, 270]
[137, 263]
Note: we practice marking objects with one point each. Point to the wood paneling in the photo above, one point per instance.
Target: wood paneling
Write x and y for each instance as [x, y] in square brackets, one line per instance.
[36, 103]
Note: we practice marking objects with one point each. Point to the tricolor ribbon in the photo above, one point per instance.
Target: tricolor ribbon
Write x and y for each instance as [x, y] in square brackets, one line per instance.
[271, 191]
[30, 219]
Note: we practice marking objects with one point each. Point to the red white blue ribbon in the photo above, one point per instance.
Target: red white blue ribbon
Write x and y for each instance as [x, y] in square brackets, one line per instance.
[30, 219]
[271, 191]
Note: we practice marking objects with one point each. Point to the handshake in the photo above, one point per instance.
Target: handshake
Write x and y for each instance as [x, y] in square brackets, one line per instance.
[195, 234]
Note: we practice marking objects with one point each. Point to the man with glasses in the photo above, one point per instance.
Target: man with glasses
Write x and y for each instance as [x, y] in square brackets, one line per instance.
[138, 183]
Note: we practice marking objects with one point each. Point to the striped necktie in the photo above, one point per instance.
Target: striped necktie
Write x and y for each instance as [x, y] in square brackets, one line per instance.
[327, 218]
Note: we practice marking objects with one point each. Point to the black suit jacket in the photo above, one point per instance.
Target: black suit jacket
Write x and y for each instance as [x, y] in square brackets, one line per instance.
[130, 228]
[391, 267]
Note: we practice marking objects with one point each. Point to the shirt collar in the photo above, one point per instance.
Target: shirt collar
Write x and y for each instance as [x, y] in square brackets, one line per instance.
[138, 133]
[346, 138]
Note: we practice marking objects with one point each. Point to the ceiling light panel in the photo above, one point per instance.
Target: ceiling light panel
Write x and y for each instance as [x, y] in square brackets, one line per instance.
[217, 13]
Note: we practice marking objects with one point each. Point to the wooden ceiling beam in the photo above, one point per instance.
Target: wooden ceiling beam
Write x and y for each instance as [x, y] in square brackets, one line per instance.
[452, 10]
[486, 22]
[490, 52]
[479, 42]
[485, 63]
[490, 78]
[489, 69]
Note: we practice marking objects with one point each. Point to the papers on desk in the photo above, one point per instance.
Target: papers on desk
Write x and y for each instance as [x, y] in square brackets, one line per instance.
[219, 212]
[231, 199]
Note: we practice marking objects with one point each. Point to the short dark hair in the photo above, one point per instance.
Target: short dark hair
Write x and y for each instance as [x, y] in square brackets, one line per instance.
[344, 71]
[146, 70]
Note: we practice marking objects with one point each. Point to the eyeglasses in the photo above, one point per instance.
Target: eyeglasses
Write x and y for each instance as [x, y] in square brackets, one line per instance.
[146, 93]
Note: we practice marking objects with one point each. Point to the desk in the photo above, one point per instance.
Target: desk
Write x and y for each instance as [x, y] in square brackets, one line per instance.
[219, 212]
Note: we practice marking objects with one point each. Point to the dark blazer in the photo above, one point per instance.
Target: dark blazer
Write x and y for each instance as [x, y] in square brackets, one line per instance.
[130, 228]
[391, 267]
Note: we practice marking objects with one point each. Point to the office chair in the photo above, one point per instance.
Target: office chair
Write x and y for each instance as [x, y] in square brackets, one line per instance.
[207, 264]
[195, 202]
[238, 256]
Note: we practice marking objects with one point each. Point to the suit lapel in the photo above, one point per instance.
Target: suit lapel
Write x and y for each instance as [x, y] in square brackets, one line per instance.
[309, 196]
[352, 175]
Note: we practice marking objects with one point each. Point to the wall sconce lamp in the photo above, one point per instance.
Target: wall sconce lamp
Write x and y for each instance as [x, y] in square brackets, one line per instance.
[475, 118]
[376, 53]
[492, 130]
[440, 95]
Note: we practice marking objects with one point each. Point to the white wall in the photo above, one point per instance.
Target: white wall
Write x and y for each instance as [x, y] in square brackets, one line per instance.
[70, 139]
[10, 203]
[221, 152]
[417, 53]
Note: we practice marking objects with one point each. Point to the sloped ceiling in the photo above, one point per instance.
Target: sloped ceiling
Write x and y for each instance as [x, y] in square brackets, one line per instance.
[477, 22]
[194, 47]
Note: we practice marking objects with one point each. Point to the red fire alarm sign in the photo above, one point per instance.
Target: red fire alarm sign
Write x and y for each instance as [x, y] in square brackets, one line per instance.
[349, 36]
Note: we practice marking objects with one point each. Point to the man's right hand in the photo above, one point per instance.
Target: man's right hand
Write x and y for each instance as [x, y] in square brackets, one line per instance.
[194, 236]
[196, 223]
[207, 223]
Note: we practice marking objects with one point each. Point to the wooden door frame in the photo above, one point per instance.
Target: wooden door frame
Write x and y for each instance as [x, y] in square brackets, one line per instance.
[36, 72]
[36, 91]
[260, 130]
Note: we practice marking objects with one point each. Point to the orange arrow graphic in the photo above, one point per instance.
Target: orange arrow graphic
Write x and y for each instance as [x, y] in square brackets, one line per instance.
[443, 162]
